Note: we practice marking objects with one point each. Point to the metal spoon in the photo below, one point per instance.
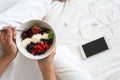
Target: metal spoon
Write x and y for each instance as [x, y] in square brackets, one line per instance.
[3, 30]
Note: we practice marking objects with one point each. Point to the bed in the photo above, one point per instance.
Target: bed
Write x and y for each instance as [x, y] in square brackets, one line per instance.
[76, 22]
[79, 21]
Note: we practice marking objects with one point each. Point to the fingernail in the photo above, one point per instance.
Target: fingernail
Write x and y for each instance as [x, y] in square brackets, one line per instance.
[9, 29]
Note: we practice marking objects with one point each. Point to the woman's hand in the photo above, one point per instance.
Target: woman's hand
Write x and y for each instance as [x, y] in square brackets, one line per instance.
[46, 61]
[47, 67]
[63, 0]
[7, 39]
[60, 0]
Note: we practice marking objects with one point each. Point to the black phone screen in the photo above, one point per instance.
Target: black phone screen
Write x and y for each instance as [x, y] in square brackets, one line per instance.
[95, 47]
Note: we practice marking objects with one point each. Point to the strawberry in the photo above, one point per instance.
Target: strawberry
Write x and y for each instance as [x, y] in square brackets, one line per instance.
[35, 29]
[33, 51]
[41, 49]
[42, 43]
[46, 46]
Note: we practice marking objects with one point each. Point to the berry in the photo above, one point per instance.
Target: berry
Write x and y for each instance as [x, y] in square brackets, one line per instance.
[44, 30]
[41, 43]
[26, 34]
[35, 29]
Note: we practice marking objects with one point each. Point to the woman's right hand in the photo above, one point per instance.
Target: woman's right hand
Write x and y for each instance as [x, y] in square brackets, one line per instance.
[7, 39]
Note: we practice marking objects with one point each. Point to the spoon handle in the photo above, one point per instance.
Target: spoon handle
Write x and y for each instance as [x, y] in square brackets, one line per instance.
[2, 30]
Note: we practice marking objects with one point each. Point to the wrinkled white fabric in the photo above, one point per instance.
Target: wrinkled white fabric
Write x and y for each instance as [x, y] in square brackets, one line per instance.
[75, 22]
[68, 66]
[80, 21]
[23, 11]
[23, 68]
[5, 4]
[16, 15]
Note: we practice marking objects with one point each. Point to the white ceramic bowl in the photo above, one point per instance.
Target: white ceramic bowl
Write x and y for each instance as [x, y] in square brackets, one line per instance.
[27, 25]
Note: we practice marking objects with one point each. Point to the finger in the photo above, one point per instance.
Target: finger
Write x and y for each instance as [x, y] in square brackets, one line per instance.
[9, 35]
[62, 0]
[12, 27]
[0, 36]
[0, 33]
[53, 53]
[43, 18]
[14, 37]
[3, 37]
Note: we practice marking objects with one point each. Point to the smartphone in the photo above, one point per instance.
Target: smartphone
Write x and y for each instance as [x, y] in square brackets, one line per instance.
[94, 47]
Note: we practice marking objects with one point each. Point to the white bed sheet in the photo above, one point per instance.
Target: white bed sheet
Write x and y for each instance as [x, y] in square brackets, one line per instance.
[23, 11]
[77, 22]
[16, 15]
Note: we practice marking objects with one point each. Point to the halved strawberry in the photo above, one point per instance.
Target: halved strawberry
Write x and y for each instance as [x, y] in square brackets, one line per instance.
[36, 29]
[33, 52]
[46, 46]
[42, 43]
[41, 49]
